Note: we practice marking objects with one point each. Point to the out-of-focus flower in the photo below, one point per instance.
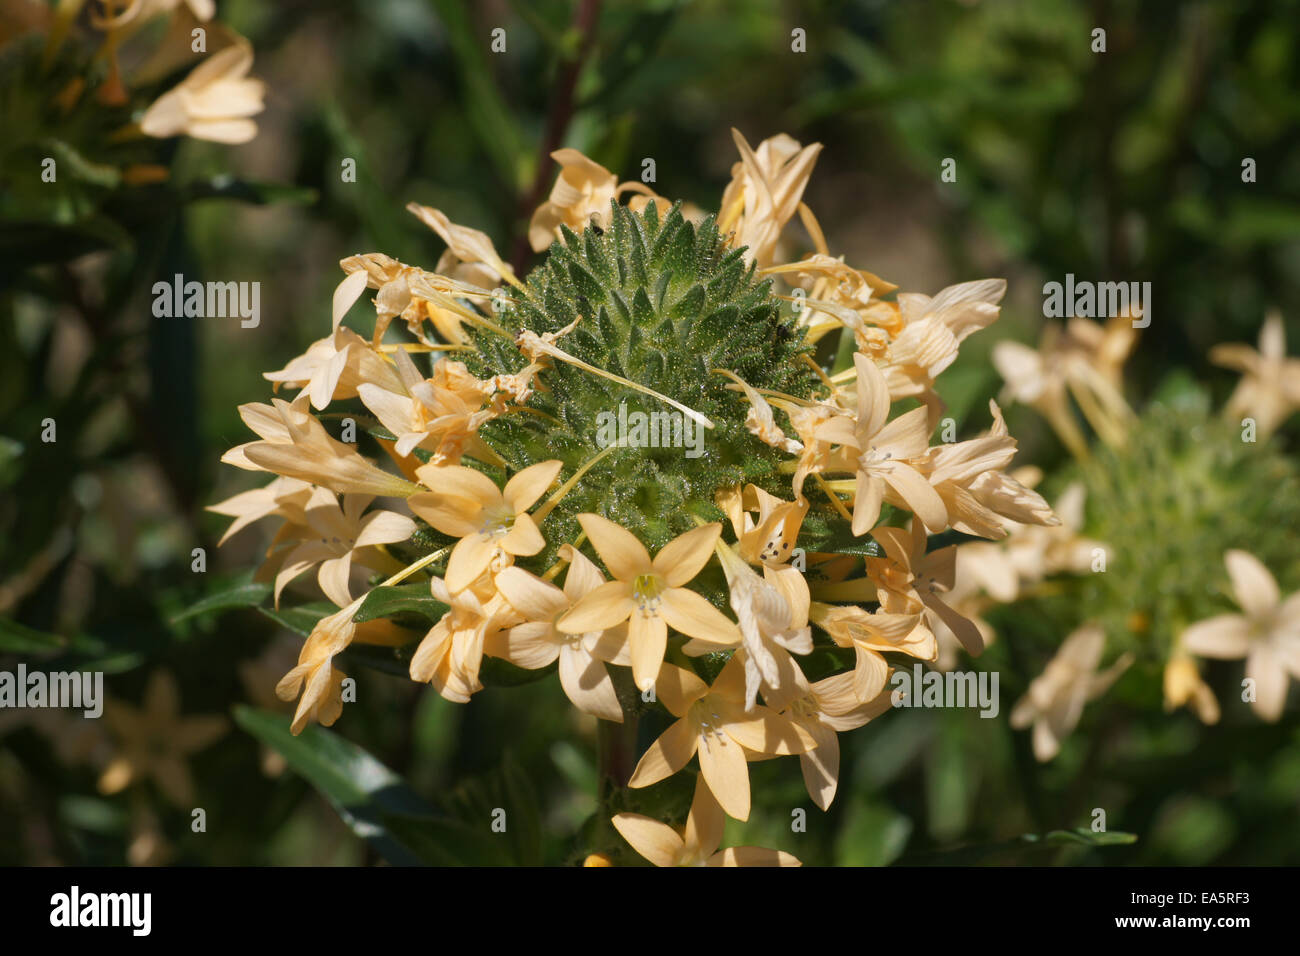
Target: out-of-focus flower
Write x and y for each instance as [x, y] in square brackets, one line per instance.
[1267, 634]
[1184, 687]
[1056, 697]
[697, 843]
[214, 102]
[1269, 390]
[153, 741]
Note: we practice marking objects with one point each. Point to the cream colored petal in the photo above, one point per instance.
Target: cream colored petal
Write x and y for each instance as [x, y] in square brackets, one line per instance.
[704, 824]
[460, 482]
[1226, 636]
[384, 527]
[535, 599]
[454, 516]
[471, 556]
[869, 495]
[657, 842]
[873, 396]
[523, 490]
[821, 765]
[333, 578]
[523, 538]
[686, 555]
[648, 640]
[1253, 585]
[678, 688]
[608, 605]
[667, 755]
[751, 856]
[767, 733]
[583, 576]
[531, 646]
[347, 293]
[725, 770]
[587, 684]
[920, 497]
[690, 614]
[870, 672]
[1263, 667]
[623, 554]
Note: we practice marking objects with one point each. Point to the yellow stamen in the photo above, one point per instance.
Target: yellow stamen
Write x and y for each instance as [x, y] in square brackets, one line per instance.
[839, 505]
[410, 569]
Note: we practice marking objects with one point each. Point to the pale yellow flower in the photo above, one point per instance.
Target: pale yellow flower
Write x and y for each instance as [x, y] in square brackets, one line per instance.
[295, 444]
[772, 611]
[1269, 390]
[283, 497]
[470, 254]
[1267, 634]
[1184, 687]
[978, 496]
[154, 741]
[451, 654]
[492, 523]
[908, 575]
[334, 367]
[714, 723]
[213, 102]
[886, 454]
[317, 676]
[934, 329]
[651, 594]
[770, 538]
[822, 710]
[424, 413]
[1056, 697]
[765, 192]
[581, 194]
[338, 539]
[537, 642]
[872, 635]
[697, 844]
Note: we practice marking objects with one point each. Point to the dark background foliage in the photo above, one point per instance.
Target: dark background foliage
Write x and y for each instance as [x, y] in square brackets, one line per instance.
[1117, 165]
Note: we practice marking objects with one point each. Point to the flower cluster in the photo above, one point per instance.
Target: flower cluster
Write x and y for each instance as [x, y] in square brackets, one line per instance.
[703, 584]
[1162, 490]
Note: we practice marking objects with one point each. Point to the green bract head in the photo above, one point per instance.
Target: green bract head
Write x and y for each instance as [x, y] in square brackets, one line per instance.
[660, 302]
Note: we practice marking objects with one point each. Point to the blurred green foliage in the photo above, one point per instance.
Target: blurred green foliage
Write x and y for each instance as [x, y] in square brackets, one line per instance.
[1123, 164]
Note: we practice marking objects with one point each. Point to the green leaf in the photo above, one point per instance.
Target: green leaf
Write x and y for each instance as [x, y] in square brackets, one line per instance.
[403, 598]
[300, 620]
[240, 593]
[18, 638]
[371, 799]
[243, 190]
[485, 110]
